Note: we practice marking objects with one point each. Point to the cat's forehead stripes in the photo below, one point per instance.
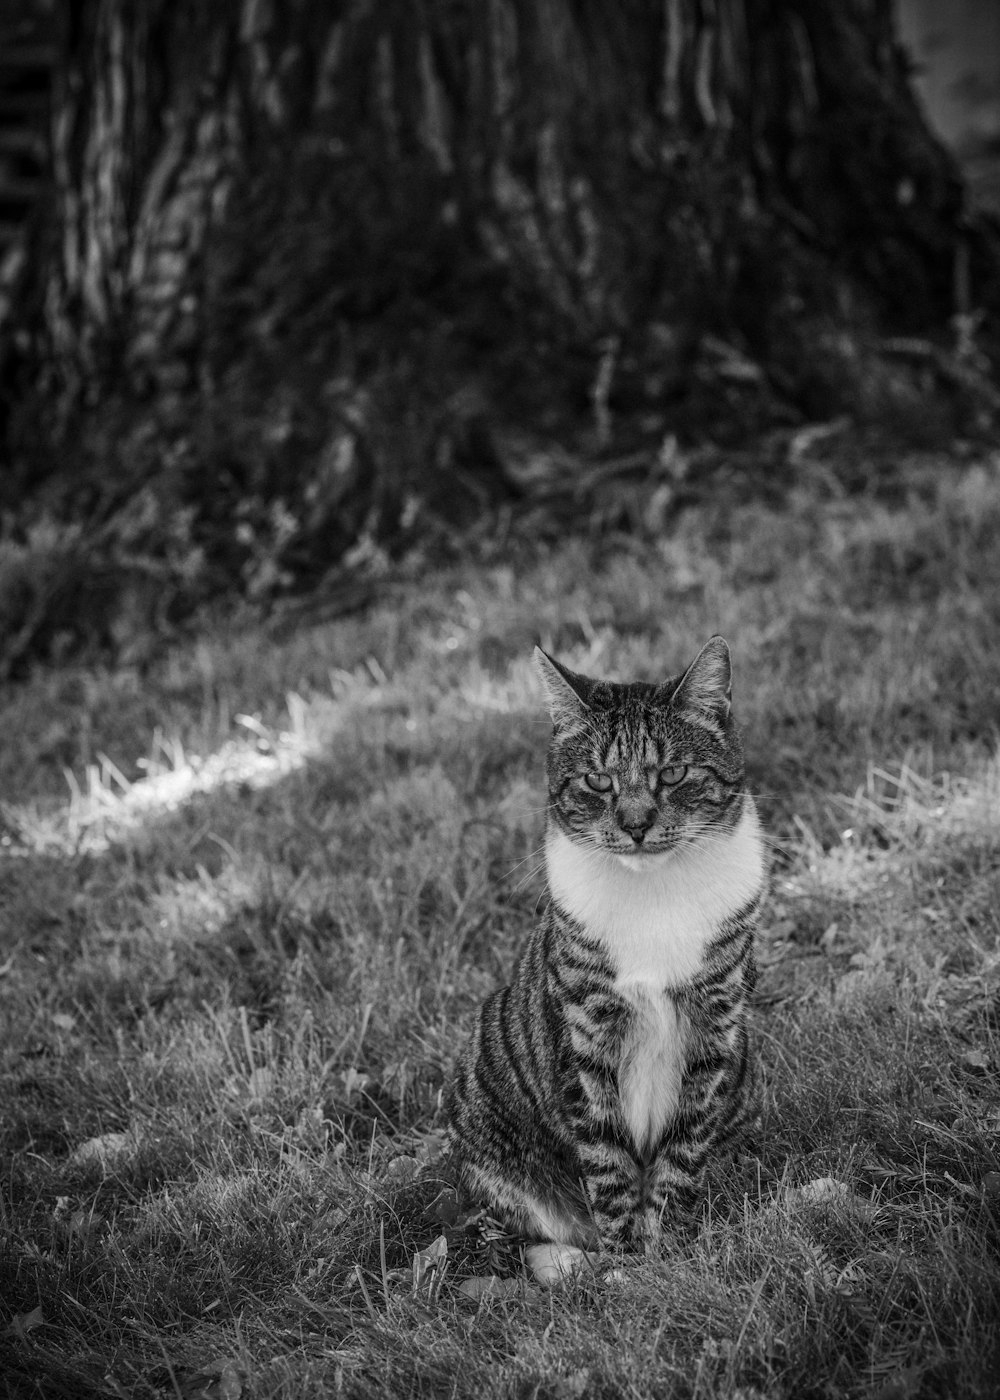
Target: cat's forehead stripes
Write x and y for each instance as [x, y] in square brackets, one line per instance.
[633, 754]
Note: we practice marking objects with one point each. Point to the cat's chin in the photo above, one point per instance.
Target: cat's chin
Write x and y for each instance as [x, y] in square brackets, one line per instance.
[643, 860]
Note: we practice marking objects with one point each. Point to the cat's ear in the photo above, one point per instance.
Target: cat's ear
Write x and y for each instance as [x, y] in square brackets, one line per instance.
[566, 692]
[706, 688]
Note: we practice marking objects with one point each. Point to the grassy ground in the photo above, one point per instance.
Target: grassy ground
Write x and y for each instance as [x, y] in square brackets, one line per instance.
[249, 901]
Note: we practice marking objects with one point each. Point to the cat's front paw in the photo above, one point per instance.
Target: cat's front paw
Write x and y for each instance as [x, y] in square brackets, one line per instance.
[557, 1263]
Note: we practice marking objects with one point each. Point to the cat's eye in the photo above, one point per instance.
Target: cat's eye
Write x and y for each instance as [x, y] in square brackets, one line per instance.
[597, 782]
[673, 776]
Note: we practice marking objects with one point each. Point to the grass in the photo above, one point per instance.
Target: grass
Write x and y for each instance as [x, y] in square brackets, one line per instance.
[251, 898]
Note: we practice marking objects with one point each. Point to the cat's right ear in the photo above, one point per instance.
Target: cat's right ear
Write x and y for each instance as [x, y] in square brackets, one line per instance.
[565, 691]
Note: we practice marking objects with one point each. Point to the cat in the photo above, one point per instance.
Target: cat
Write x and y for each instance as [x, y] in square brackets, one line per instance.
[615, 1067]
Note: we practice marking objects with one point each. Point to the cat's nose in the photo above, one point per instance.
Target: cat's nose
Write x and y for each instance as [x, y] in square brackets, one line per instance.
[636, 820]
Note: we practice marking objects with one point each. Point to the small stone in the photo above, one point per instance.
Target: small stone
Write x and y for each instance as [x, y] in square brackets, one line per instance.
[103, 1150]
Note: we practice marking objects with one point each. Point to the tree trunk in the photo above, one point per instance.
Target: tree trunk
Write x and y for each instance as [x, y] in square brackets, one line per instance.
[143, 150]
[539, 115]
[336, 237]
[840, 137]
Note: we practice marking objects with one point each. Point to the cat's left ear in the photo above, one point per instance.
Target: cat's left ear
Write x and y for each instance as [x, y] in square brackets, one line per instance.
[706, 688]
[567, 692]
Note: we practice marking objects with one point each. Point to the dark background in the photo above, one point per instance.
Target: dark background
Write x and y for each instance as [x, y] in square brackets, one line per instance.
[294, 294]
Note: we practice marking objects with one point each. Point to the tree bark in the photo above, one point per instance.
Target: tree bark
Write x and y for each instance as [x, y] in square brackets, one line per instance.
[840, 138]
[614, 176]
[143, 150]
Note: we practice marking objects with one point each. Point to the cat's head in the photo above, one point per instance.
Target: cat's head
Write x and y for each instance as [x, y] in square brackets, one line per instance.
[639, 769]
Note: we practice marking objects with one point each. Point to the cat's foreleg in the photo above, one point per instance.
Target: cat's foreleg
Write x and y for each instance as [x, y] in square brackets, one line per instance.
[675, 1179]
[672, 1185]
[611, 1185]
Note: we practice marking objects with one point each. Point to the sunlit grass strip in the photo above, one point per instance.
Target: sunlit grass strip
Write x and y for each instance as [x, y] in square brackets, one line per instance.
[106, 806]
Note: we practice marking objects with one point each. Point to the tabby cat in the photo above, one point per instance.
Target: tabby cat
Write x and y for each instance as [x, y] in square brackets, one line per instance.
[615, 1067]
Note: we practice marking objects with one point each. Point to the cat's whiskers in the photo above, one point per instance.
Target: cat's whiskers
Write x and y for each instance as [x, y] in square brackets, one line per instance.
[538, 857]
[710, 836]
[537, 850]
[534, 811]
[527, 879]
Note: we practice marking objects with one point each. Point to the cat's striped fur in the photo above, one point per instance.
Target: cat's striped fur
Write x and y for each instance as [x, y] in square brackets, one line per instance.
[615, 1067]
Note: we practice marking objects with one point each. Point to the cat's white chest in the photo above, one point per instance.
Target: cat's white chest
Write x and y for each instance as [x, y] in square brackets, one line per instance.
[656, 919]
[652, 1065]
